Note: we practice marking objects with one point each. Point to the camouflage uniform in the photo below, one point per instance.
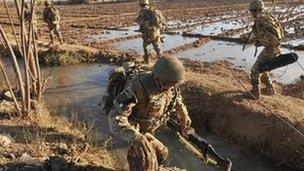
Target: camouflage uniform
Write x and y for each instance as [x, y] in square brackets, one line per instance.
[267, 32]
[142, 108]
[150, 33]
[52, 25]
[271, 50]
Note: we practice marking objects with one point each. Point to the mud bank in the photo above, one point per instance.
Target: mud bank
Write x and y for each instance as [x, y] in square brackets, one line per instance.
[216, 103]
[45, 142]
[72, 54]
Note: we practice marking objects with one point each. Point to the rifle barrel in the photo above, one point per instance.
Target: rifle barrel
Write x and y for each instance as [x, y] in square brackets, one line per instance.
[201, 144]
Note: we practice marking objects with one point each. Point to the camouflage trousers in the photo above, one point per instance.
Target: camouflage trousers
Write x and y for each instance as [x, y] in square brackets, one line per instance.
[154, 39]
[54, 30]
[256, 76]
[147, 153]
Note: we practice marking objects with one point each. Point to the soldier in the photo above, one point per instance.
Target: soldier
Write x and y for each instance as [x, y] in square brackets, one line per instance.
[150, 23]
[51, 17]
[27, 19]
[267, 32]
[143, 106]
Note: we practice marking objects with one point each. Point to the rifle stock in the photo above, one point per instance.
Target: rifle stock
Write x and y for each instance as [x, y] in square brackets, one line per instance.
[201, 144]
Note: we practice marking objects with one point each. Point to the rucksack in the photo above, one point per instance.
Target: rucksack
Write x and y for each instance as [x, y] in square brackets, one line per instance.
[117, 81]
[275, 28]
[156, 17]
[53, 15]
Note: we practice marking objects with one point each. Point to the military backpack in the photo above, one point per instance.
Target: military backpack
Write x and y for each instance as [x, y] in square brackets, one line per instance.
[117, 80]
[156, 17]
[274, 28]
[52, 15]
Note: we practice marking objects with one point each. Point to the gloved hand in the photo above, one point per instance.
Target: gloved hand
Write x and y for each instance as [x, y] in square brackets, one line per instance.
[185, 122]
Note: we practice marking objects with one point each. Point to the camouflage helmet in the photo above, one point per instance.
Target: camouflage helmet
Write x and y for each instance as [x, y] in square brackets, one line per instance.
[257, 5]
[144, 2]
[47, 3]
[169, 69]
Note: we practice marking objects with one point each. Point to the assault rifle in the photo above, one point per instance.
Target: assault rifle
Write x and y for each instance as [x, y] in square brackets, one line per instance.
[200, 147]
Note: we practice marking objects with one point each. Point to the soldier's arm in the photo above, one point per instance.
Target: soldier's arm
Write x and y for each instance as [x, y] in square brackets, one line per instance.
[182, 112]
[139, 20]
[118, 119]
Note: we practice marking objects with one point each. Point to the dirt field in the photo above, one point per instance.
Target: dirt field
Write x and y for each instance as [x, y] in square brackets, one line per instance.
[213, 90]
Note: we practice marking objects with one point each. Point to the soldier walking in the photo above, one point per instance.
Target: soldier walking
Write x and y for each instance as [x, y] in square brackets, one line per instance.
[267, 32]
[150, 22]
[143, 106]
[52, 18]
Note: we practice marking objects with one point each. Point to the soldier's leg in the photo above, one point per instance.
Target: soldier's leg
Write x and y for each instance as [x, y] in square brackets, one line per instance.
[51, 32]
[142, 156]
[157, 47]
[162, 152]
[255, 81]
[265, 79]
[147, 52]
[256, 75]
[58, 33]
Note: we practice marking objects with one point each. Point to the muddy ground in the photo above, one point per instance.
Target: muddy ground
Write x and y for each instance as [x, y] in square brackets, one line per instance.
[213, 91]
[44, 142]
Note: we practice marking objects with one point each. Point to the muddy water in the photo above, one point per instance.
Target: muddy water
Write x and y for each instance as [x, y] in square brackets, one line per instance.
[218, 27]
[76, 90]
[220, 50]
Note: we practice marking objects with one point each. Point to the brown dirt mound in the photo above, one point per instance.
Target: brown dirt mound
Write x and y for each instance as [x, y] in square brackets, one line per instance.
[72, 54]
[37, 140]
[295, 90]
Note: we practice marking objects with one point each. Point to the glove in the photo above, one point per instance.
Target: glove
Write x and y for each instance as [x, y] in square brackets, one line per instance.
[185, 122]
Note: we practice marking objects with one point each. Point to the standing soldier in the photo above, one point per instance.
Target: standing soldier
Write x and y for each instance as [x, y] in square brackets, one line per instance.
[143, 106]
[51, 17]
[27, 18]
[150, 23]
[267, 32]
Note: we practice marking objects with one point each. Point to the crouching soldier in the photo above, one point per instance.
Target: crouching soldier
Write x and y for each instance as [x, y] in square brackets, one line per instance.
[143, 106]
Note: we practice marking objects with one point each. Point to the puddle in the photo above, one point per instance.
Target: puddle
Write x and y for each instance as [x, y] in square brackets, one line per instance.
[220, 50]
[296, 42]
[219, 27]
[171, 41]
[77, 90]
[113, 34]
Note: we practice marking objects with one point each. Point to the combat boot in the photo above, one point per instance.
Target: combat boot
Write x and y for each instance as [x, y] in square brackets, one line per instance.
[270, 90]
[255, 93]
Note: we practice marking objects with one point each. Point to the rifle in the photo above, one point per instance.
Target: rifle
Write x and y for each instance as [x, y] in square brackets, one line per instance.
[200, 147]
[247, 40]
